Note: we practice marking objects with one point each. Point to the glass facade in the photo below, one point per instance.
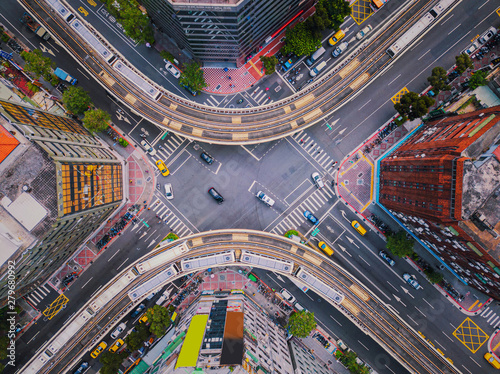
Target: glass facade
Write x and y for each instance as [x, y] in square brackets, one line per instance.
[223, 32]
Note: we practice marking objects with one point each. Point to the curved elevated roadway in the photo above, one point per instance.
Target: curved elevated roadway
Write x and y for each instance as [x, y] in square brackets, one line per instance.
[239, 126]
[359, 304]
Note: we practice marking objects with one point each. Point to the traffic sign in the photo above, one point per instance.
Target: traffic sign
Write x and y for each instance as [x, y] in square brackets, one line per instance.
[315, 232]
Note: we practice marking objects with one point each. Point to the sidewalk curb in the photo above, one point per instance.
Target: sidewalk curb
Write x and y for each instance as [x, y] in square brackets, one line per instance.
[490, 340]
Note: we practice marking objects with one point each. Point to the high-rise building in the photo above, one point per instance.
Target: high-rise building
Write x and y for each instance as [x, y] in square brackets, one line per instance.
[443, 183]
[222, 332]
[57, 187]
[223, 32]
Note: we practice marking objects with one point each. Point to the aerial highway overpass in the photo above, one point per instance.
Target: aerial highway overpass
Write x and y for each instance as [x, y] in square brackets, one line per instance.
[230, 126]
[245, 248]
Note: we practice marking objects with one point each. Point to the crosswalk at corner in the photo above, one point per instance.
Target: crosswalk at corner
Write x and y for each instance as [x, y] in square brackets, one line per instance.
[169, 146]
[314, 150]
[296, 217]
[261, 96]
[35, 297]
[492, 318]
[166, 215]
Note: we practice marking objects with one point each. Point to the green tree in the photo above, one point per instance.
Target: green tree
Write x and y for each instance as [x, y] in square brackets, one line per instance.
[413, 106]
[300, 324]
[269, 64]
[37, 64]
[433, 276]
[319, 21]
[4, 343]
[399, 245]
[76, 100]
[337, 10]
[478, 79]
[96, 120]
[159, 319]
[192, 76]
[111, 362]
[135, 23]
[463, 63]
[135, 339]
[300, 40]
[438, 79]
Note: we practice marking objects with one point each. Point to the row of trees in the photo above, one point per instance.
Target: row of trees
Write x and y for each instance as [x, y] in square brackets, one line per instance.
[135, 23]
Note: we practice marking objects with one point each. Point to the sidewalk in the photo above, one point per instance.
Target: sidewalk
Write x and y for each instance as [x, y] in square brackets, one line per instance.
[247, 75]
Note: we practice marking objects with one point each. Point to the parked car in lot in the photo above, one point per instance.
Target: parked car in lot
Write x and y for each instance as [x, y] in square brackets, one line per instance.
[386, 257]
[207, 158]
[317, 180]
[169, 192]
[340, 49]
[172, 69]
[217, 196]
[362, 33]
[136, 312]
[264, 198]
[163, 168]
[96, 352]
[311, 217]
[147, 147]
[116, 346]
[358, 227]
[119, 329]
[411, 281]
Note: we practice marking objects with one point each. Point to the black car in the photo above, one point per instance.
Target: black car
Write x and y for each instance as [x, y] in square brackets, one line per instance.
[139, 309]
[207, 158]
[217, 196]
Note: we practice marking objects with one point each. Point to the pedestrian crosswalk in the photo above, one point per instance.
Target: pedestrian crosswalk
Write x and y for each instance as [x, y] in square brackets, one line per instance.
[492, 318]
[170, 219]
[35, 297]
[314, 150]
[296, 217]
[168, 146]
[261, 96]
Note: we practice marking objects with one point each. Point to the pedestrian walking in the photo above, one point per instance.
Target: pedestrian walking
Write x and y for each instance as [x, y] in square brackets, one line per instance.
[301, 141]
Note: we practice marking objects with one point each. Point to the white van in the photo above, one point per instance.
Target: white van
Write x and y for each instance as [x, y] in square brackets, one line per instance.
[320, 52]
[288, 296]
[317, 69]
[299, 307]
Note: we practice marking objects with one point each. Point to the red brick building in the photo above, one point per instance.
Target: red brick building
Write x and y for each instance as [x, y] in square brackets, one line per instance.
[443, 182]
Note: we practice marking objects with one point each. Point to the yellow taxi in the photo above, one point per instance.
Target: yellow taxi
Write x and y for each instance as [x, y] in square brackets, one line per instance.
[117, 345]
[163, 169]
[358, 227]
[493, 362]
[143, 319]
[325, 248]
[335, 38]
[101, 347]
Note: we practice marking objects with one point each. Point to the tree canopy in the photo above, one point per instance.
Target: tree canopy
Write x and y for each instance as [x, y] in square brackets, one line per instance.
[300, 41]
[433, 275]
[463, 63]
[96, 120]
[438, 79]
[76, 100]
[135, 339]
[37, 64]
[319, 21]
[337, 10]
[413, 106]
[348, 359]
[300, 324]
[478, 79]
[159, 319]
[399, 245]
[135, 23]
[269, 64]
[111, 361]
[192, 76]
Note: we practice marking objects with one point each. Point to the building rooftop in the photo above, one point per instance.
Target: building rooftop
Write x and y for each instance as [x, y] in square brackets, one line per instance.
[207, 2]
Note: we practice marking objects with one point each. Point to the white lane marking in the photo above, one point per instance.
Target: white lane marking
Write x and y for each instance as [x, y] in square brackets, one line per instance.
[114, 254]
[366, 103]
[123, 263]
[33, 337]
[423, 55]
[483, 4]
[474, 361]
[455, 28]
[389, 368]
[335, 320]
[428, 303]
[87, 282]
[363, 345]
[412, 320]
[390, 284]
[395, 78]
[445, 334]
[421, 312]
[467, 369]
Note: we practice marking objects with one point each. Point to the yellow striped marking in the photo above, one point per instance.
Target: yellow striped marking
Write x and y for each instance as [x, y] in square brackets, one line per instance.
[240, 136]
[257, 70]
[107, 78]
[314, 114]
[304, 101]
[346, 70]
[236, 120]
[241, 237]
[359, 292]
[175, 125]
[197, 242]
[397, 98]
[359, 81]
[473, 305]
[293, 124]
[346, 303]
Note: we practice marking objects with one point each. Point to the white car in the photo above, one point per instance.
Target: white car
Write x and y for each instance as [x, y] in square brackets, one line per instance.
[122, 326]
[411, 281]
[490, 33]
[163, 297]
[317, 180]
[172, 69]
[361, 34]
[148, 147]
[288, 296]
[264, 198]
[169, 193]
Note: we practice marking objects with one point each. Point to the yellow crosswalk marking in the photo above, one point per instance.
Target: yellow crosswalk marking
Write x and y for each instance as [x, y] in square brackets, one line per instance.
[397, 98]
[470, 335]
